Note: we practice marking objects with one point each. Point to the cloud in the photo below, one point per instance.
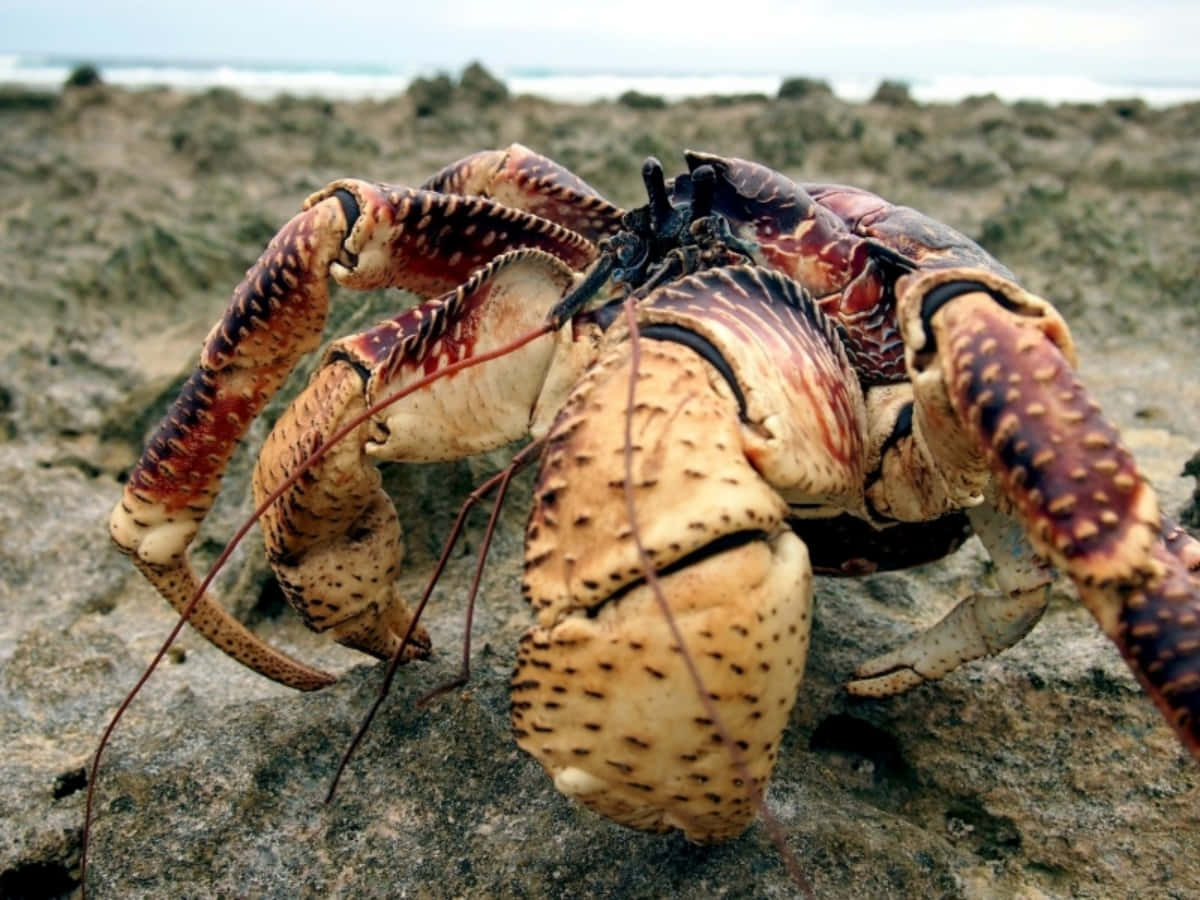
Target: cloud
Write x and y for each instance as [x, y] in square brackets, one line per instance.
[1154, 39]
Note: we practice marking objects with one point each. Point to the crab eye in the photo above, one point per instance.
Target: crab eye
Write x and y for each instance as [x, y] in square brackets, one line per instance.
[656, 191]
[704, 178]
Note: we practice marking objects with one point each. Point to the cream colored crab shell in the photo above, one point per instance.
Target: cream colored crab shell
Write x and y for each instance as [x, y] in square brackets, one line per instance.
[602, 694]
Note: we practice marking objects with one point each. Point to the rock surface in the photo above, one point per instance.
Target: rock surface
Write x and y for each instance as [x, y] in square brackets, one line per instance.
[126, 218]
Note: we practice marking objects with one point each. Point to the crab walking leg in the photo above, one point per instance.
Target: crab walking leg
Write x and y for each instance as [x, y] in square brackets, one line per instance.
[522, 179]
[1005, 361]
[333, 538]
[366, 236]
[983, 624]
[277, 314]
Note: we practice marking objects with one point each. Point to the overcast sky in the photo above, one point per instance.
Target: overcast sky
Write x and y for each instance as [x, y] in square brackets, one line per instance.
[1148, 41]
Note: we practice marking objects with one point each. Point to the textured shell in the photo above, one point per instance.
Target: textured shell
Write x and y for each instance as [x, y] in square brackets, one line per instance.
[601, 694]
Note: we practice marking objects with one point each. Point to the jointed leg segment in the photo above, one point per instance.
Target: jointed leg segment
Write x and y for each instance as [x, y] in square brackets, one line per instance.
[1001, 360]
[981, 625]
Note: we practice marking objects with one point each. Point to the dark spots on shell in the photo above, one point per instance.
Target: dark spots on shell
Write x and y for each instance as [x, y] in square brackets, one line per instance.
[624, 767]
[655, 673]
[595, 695]
[581, 751]
[592, 726]
[637, 742]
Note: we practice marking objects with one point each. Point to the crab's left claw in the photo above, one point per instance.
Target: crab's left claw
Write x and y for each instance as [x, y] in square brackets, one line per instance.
[993, 370]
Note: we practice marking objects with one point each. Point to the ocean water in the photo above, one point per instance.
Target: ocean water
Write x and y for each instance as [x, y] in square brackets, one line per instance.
[380, 81]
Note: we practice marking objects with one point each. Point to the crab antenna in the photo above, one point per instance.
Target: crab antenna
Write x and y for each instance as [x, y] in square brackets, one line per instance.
[656, 190]
[651, 576]
[464, 673]
[502, 478]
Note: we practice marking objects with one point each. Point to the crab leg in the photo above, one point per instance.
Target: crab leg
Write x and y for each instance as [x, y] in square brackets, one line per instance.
[366, 236]
[981, 625]
[522, 179]
[333, 538]
[1000, 362]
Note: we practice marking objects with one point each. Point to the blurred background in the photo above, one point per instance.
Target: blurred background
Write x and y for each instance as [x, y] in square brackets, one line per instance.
[1060, 51]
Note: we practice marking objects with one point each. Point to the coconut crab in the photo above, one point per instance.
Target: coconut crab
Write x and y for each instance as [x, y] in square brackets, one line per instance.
[820, 382]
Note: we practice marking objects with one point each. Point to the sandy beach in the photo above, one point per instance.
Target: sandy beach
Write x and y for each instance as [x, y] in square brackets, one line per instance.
[126, 218]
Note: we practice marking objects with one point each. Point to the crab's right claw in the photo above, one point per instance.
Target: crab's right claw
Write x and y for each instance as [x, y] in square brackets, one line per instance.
[999, 362]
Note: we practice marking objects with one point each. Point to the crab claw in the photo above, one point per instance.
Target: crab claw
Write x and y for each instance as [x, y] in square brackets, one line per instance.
[744, 399]
[601, 695]
[999, 361]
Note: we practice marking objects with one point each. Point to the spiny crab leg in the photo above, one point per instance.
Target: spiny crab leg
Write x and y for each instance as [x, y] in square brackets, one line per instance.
[277, 314]
[334, 540]
[366, 236]
[522, 179]
[1006, 363]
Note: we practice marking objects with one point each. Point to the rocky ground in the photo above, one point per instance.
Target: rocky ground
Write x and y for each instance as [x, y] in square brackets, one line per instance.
[126, 218]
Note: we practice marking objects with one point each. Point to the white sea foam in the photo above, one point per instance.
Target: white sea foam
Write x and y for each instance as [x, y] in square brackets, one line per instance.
[379, 82]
